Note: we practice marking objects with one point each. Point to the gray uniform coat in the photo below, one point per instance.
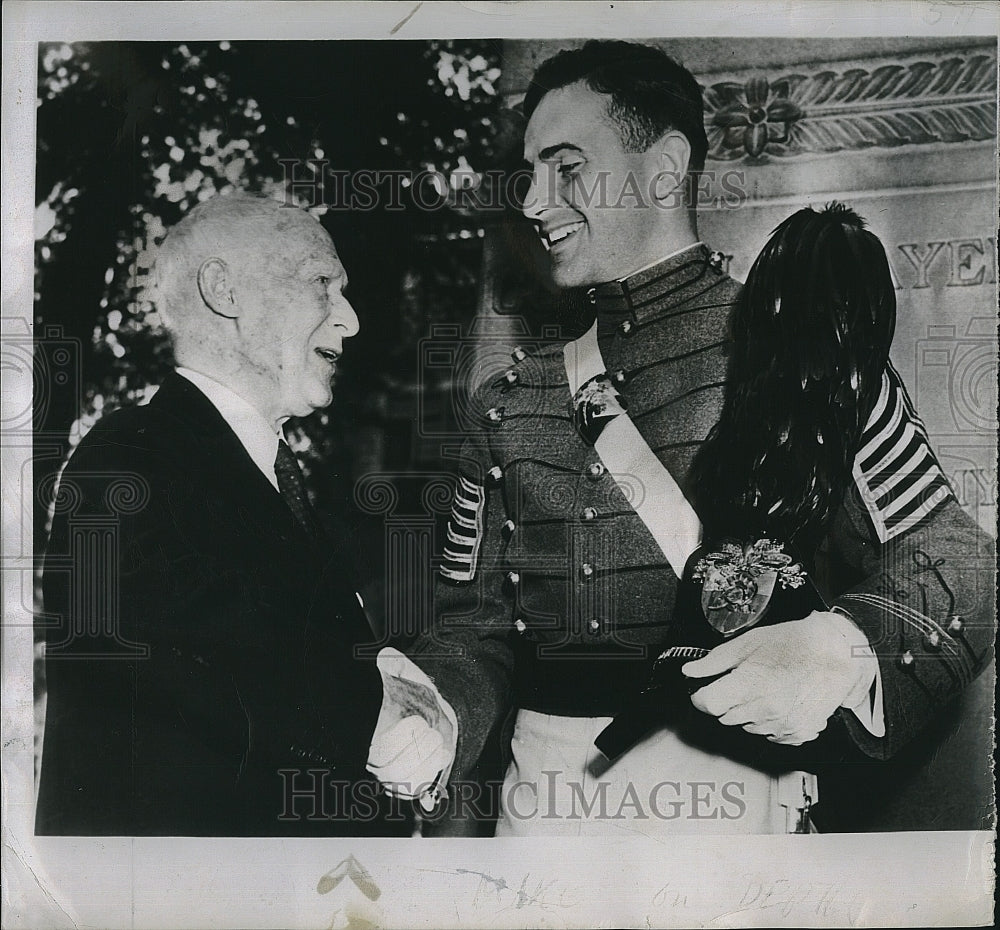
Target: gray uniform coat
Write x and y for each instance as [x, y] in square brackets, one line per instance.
[553, 595]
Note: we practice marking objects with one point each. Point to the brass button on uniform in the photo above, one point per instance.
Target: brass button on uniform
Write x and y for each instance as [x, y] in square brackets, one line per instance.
[514, 578]
[520, 625]
[933, 640]
[494, 415]
[519, 355]
[594, 626]
[495, 473]
[592, 294]
[588, 514]
[510, 376]
[587, 571]
[955, 626]
[625, 328]
[618, 377]
[906, 660]
[595, 470]
[508, 528]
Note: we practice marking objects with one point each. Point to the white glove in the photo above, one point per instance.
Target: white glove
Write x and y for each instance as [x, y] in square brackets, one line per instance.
[785, 681]
[413, 747]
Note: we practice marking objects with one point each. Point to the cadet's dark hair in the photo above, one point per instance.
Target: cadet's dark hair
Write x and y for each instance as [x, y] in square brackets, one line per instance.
[811, 334]
[650, 92]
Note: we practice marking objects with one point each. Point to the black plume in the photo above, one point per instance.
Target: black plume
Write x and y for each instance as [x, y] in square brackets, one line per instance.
[811, 334]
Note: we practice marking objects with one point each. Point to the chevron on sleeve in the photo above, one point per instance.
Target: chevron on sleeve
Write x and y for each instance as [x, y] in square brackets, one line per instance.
[897, 473]
[465, 532]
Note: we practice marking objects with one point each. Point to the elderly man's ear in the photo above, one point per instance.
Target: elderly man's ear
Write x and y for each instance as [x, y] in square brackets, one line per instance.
[214, 285]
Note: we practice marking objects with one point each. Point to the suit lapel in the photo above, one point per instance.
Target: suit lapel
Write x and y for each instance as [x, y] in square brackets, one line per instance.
[224, 462]
[203, 436]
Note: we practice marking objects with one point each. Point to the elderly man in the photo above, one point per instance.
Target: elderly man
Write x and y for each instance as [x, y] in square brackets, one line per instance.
[561, 566]
[202, 672]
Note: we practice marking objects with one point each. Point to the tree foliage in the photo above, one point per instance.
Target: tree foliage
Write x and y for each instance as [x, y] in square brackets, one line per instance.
[132, 135]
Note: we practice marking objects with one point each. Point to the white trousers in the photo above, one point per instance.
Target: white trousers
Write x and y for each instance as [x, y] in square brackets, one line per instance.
[559, 784]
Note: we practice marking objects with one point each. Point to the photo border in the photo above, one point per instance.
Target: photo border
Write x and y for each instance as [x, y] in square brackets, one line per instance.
[902, 879]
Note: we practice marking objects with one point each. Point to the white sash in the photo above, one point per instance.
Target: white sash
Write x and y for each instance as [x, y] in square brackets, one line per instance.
[648, 486]
[661, 505]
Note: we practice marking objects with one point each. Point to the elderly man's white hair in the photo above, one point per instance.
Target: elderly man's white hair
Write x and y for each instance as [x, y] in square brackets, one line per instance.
[228, 227]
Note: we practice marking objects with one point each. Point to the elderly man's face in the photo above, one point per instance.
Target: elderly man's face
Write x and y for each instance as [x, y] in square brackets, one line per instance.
[589, 199]
[293, 313]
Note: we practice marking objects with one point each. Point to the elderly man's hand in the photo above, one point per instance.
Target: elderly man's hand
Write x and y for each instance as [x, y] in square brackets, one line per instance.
[785, 681]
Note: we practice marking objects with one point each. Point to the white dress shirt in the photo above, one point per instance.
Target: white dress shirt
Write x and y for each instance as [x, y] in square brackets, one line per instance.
[255, 434]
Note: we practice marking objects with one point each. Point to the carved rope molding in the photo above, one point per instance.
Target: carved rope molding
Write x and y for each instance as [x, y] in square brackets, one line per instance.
[952, 99]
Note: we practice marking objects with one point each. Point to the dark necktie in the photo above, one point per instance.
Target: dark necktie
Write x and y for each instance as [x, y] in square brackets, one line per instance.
[293, 489]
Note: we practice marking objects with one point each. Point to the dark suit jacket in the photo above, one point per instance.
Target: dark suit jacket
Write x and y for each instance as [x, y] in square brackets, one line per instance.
[200, 664]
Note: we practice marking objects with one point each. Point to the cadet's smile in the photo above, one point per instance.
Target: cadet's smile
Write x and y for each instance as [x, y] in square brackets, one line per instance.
[556, 236]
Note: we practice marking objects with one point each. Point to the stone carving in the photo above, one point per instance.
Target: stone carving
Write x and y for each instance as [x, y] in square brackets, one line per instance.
[949, 100]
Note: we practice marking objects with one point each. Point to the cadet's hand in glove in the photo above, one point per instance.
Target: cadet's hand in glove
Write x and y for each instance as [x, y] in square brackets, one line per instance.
[785, 681]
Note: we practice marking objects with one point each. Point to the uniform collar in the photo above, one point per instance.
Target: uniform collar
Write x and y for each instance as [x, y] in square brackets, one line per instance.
[648, 292]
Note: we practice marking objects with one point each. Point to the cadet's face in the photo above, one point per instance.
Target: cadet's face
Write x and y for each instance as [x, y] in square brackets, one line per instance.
[294, 316]
[589, 199]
